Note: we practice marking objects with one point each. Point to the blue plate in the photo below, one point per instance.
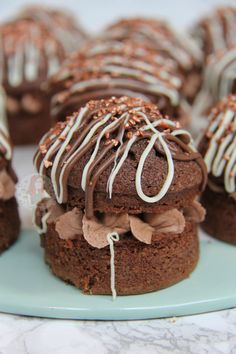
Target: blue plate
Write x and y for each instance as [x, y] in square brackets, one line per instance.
[28, 288]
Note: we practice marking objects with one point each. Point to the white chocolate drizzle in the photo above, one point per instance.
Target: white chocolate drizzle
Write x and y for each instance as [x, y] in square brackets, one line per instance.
[4, 134]
[220, 157]
[98, 131]
[43, 228]
[111, 238]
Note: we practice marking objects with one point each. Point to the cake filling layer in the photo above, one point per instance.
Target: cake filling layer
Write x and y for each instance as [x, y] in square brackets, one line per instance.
[143, 227]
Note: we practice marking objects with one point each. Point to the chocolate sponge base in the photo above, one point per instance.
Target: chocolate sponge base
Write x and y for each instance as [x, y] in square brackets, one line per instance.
[139, 268]
[220, 221]
[9, 223]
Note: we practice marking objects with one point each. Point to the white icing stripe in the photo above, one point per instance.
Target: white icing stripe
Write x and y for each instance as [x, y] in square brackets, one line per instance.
[32, 59]
[227, 118]
[150, 79]
[138, 68]
[68, 134]
[218, 69]
[95, 151]
[217, 35]
[139, 64]
[15, 67]
[52, 147]
[119, 165]
[229, 177]
[170, 174]
[219, 161]
[171, 93]
[120, 139]
[111, 238]
[43, 229]
[53, 60]
[230, 19]
[219, 78]
[115, 46]
[4, 134]
[221, 153]
[85, 141]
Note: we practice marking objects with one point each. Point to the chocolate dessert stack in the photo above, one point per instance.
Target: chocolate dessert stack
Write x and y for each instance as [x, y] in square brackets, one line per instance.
[123, 182]
[33, 46]
[218, 146]
[9, 217]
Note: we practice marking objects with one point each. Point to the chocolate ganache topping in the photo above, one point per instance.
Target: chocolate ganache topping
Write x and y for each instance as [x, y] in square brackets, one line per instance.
[218, 146]
[105, 68]
[109, 128]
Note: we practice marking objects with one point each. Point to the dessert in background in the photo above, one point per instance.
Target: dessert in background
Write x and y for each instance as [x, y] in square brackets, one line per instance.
[123, 183]
[9, 217]
[219, 80]
[215, 33]
[105, 68]
[174, 45]
[218, 147]
[33, 45]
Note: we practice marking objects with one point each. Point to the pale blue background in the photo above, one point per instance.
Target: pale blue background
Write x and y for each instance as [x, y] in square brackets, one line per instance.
[95, 14]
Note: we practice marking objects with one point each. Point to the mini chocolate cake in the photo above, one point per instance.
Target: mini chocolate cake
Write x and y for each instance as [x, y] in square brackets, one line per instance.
[102, 69]
[9, 217]
[124, 183]
[218, 146]
[216, 33]
[33, 46]
[166, 41]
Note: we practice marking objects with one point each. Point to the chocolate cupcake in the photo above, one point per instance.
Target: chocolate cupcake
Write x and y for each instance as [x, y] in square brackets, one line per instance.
[218, 147]
[102, 69]
[166, 41]
[216, 33]
[124, 183]
[33, 46]
[9, 217]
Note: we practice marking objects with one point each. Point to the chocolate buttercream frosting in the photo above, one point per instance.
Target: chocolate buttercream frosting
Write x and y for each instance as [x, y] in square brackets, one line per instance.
[71, 224]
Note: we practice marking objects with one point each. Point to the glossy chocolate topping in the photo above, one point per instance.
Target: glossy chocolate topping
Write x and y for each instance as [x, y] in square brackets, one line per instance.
[109, 128]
